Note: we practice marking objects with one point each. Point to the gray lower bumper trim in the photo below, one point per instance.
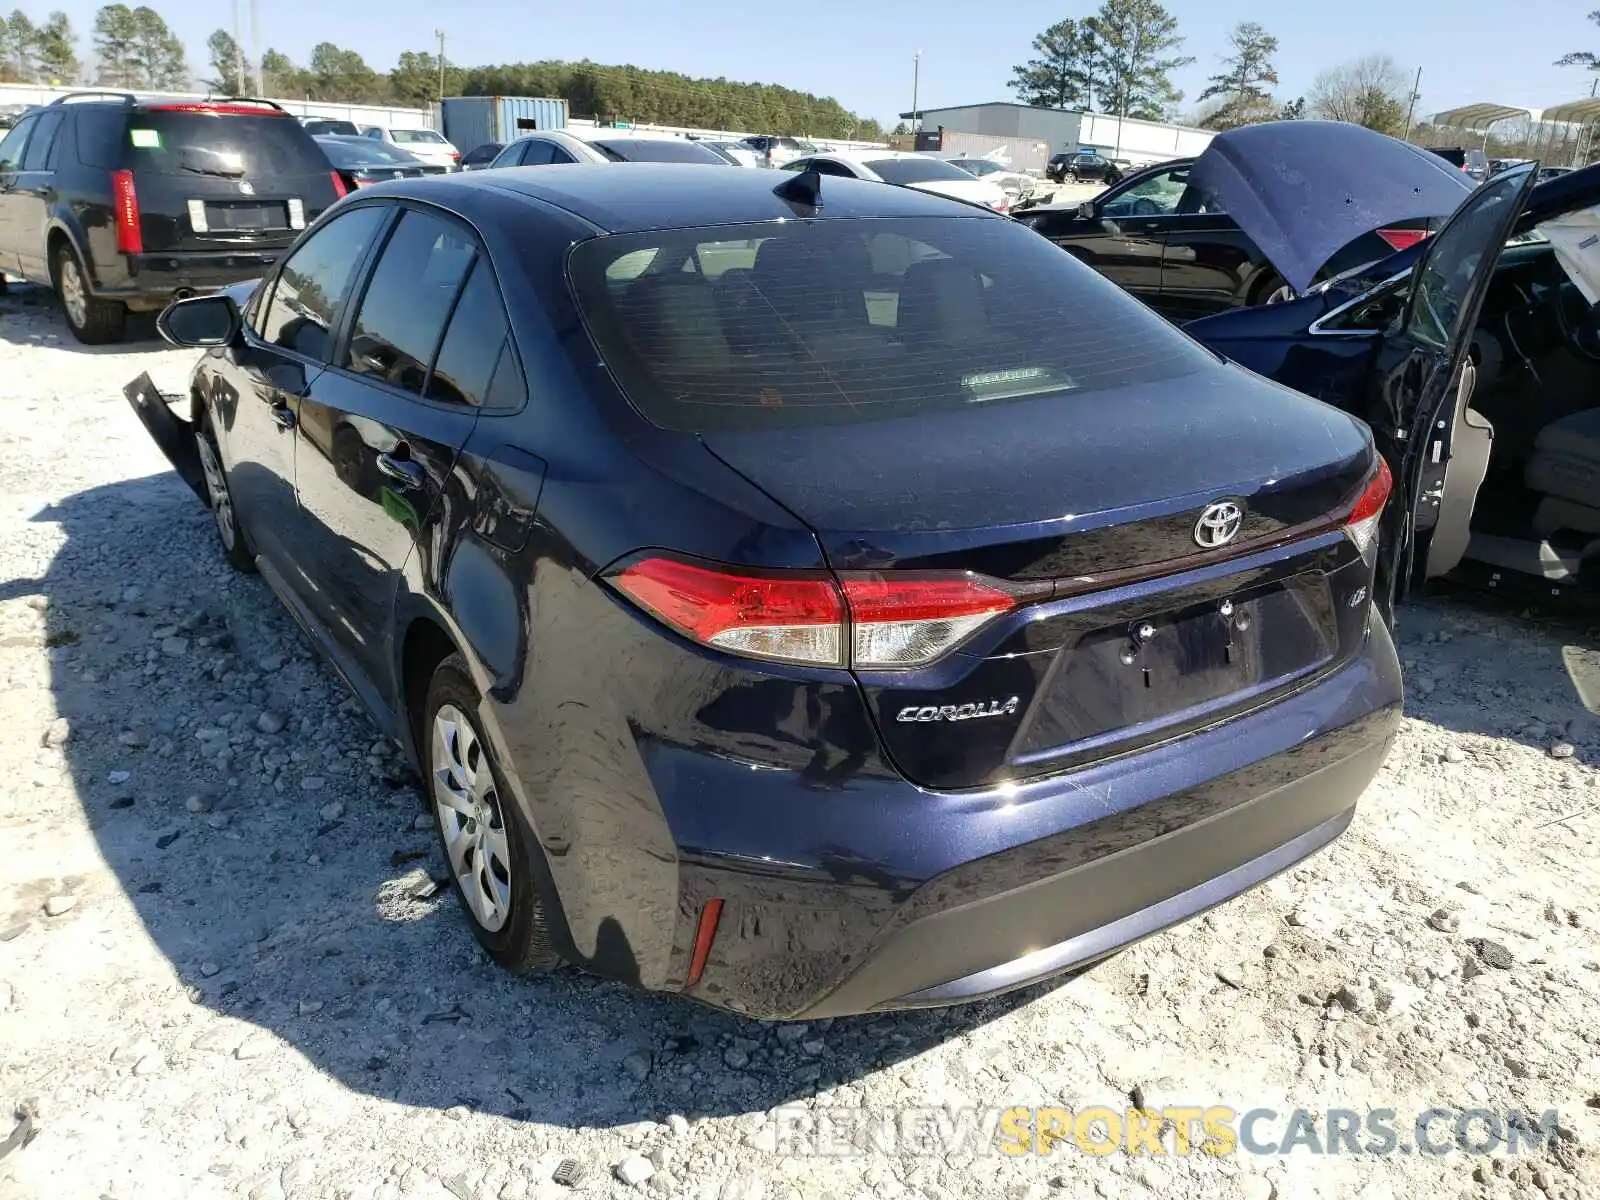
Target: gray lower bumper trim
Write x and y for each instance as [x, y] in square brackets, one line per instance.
[1097, 943]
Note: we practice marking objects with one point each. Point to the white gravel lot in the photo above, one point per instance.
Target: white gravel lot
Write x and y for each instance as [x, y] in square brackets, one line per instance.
[222, 973]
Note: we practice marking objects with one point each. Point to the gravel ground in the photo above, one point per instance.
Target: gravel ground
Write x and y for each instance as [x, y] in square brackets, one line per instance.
[225, 972]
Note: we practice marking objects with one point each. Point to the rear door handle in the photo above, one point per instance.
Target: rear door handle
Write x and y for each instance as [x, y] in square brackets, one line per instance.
[402, 470]
[283, 415]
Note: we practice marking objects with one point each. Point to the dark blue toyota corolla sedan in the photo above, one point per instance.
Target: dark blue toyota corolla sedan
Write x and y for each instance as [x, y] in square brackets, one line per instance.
[809, 598]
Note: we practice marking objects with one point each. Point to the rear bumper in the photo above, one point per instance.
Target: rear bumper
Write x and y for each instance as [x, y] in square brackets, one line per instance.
[155, 277]
[888, 896]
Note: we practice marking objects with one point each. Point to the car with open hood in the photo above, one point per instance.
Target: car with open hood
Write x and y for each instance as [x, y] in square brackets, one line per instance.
[1261, 214]
[1475, 357]
[799, 594]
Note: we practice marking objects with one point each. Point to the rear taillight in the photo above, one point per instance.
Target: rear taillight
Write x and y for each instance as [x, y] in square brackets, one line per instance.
[908, 620]
[1402, 239]
[339, 189]
[1361, 526]
[793, 616]
[125, 202]
[868, 620]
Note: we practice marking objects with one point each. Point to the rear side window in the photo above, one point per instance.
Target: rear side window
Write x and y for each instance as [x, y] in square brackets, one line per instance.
[473, 344]
[408, 298]
[11, 146]
[315, 280]
[37, 156]
[834, 322]
[230, 145]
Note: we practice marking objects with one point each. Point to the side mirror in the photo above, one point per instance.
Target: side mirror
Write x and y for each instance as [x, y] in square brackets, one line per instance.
[1086, 210]
[199, 321]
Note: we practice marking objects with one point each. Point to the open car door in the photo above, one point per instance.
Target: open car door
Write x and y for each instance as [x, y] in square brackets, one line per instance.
[1421, 390]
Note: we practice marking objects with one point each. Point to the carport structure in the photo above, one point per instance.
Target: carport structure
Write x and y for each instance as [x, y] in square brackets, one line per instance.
[1478, 118]
[1561, 135]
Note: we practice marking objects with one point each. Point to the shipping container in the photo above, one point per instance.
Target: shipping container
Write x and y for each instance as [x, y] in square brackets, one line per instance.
[470, 121]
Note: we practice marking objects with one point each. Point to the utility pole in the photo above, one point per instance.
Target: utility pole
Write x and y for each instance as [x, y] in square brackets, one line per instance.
[916, 79]
[255, 47]
[439, 33]
[1416, 93]
[238, 48]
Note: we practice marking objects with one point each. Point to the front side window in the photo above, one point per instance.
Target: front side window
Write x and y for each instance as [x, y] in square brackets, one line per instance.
[407, 300]
[315, 280]
[537, 153]
[15, 140]
[1155, 195]
[842, 321]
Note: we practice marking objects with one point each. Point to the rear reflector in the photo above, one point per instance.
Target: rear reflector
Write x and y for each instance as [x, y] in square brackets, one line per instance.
[1361, 526]
[885, 620]
[339, 189]
[705, 933]
[1402, 239]
[125, 203]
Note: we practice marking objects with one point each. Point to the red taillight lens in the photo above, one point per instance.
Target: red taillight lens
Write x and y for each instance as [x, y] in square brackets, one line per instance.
[1361, 526]
[704, 934]
[793, 616]
[130, 237]
[339, 189]
[227, 110]
[885, 620]
[1401, 239]
[905, 621]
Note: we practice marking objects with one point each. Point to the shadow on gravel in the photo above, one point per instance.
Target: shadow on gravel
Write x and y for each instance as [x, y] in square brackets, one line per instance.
[283, 878]
[20, 299]
[1464, 674]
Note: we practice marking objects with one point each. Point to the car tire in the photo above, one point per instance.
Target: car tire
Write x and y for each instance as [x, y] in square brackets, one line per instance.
[224, 513]
[93, 321]
[485, 841]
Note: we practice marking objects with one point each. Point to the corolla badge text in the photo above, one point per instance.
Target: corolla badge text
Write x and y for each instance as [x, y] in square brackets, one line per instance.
[959, 712]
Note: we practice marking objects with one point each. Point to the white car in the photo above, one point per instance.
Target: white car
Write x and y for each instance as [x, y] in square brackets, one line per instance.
[429, 146]
[905, 169]
[738, 151]
[555, 147]
[1015, 184]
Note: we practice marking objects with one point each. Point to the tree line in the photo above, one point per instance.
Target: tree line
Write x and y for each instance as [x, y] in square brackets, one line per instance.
[133, 48]
[1121, 60]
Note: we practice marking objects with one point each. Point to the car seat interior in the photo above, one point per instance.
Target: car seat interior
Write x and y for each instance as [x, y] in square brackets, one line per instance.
[1537, 356]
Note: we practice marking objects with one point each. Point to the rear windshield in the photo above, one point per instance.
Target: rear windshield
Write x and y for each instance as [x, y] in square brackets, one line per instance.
[644, 150]
[419, 137]
[180, 143]
[915, 170]
[827, 322]
[364, 153]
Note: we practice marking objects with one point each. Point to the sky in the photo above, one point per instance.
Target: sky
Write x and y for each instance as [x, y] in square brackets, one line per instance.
[861, 51]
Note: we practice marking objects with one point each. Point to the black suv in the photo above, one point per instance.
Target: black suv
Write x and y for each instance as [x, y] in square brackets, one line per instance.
[121, 205]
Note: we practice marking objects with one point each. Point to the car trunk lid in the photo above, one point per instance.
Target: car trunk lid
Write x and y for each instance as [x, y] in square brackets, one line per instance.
[1139, 611]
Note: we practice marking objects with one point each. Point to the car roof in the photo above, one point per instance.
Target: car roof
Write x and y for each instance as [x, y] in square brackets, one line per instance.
[633, 197]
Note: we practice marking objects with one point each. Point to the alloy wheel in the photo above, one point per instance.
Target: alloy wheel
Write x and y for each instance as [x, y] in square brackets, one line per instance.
[217, 488]
[467, 806]
[74, 296]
